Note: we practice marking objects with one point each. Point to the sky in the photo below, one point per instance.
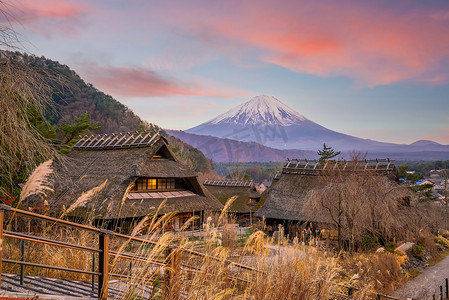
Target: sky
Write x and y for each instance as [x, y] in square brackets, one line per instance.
[373, 69]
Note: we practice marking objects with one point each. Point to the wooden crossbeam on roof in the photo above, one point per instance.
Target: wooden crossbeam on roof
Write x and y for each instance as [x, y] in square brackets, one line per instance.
[228, 182]
[120, 140]
[362, 165]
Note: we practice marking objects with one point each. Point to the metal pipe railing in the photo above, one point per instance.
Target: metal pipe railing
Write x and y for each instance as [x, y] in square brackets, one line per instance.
[103, 251]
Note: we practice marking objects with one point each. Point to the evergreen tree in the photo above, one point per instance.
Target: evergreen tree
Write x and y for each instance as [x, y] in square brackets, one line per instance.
[82, 126]
[327, 153]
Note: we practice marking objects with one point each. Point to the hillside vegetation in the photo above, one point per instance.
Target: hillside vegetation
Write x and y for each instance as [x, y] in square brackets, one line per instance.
[68, 99]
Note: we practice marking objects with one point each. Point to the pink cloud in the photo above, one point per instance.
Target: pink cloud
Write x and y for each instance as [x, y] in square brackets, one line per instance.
[48, 17]
[369, 43]
[139, 83]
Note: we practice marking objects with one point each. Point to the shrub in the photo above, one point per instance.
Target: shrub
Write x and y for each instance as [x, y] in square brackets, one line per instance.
[442, 241]
[390, 246]
[369, 242]
[418, 249]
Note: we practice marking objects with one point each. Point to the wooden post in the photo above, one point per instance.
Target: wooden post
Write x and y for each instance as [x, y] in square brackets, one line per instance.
[93, 270]
[167, 272]
[103, 266]
[2, 215]
[172, 267]
[22, 258]
[227, 275]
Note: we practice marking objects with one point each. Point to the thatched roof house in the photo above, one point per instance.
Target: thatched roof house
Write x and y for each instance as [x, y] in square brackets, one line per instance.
[248, 194]
[286, 196]
[140, 172]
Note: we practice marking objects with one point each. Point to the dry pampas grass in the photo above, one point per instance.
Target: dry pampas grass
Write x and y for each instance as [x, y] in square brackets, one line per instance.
[125, 196]
[226, 207]
[38, 182]
[85, 198]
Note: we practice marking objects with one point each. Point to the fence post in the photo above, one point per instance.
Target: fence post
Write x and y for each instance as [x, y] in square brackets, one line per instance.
[103, 265]
[167, 273]
[2, 215]
[22, 258]
[227, 274]
[93, 270]
[172, 267]
[441, 292]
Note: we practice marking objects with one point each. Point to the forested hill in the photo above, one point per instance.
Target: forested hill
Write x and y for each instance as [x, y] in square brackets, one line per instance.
[71, 97]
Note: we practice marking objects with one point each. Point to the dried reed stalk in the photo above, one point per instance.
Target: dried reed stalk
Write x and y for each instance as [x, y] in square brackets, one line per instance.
[85, 198]
[38, 182]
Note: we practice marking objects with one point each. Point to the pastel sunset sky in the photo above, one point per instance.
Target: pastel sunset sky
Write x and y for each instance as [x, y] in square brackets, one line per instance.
[373, 69]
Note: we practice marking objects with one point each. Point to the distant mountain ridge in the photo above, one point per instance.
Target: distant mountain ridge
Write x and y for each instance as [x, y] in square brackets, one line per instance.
[267, 121]
[227, 150]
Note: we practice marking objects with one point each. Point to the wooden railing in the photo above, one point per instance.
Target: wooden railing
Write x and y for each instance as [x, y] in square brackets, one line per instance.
[170, 263]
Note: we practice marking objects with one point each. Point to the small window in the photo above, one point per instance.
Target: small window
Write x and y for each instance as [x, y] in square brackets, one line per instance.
[141, 184]
[156, 184]
[171, 183]
[161, 184]
[151, 184]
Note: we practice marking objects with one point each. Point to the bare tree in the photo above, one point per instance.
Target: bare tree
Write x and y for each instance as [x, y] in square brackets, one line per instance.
[357, 203]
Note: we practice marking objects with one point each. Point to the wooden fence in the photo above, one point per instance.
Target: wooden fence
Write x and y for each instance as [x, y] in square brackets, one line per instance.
[102, 270]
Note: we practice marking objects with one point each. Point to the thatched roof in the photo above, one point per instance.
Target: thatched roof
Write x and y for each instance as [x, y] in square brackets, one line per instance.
[286, 196]
[120, 166]
[226, 189]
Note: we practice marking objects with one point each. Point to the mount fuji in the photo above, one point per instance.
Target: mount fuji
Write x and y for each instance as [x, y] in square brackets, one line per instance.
[268, 121]
[265, 129]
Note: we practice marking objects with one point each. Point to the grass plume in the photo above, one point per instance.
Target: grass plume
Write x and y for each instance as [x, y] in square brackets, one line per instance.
[85, 198]
[38, 182]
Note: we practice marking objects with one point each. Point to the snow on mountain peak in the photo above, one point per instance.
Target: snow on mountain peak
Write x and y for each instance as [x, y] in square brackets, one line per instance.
[260, 110]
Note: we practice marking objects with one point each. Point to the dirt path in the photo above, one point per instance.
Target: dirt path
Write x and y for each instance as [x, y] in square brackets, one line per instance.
[427, 283]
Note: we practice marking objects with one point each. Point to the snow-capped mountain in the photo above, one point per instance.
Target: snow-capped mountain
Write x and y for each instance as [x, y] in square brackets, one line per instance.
[268, 121]
[261, 110]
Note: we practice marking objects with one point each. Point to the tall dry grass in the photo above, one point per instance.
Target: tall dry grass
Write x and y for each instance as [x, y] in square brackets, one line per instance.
[285, 270]
[281, 269]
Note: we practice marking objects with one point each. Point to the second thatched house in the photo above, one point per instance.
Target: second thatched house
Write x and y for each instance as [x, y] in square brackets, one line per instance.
[286, 197]
[120, 178]
[247, 197]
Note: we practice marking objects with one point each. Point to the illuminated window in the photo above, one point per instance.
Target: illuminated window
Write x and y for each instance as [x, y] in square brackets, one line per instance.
[151, 184]
[155, 184]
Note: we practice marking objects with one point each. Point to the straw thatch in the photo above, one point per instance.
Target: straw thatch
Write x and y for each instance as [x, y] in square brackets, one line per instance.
[286, 196]
[224, 192]
[89, 168]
